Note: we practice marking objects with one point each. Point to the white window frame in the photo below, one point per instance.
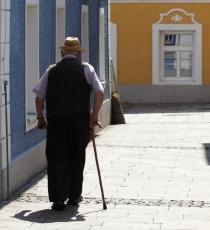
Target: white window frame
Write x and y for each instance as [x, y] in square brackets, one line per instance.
[85, 32]
[30, 119]
[177, 50]
[60, 4]
[102, 46]
[157, 73]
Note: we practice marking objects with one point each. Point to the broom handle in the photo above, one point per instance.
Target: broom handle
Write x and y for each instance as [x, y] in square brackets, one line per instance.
[114, 76]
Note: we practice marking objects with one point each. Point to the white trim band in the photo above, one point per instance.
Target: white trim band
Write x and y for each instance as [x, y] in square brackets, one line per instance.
[159, 1]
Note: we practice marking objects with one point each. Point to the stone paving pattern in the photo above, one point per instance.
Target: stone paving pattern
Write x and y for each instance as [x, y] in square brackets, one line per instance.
[155, 172]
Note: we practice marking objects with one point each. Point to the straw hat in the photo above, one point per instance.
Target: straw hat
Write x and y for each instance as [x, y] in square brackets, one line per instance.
[71, 44]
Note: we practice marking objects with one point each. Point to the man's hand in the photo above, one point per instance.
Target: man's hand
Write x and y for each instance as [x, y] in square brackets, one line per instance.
[98, 100]
[42, 123]
[39, 103]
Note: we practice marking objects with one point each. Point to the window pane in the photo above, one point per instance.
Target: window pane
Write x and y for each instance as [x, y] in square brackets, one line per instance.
[178, 39]
[186, 39]
[170, 64]
[186, 64]
[170, 39]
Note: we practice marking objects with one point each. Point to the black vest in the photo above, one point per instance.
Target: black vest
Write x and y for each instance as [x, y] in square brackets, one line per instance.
[67, 90]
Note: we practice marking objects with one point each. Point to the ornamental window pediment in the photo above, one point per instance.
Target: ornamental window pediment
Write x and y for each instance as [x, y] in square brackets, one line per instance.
[177, 16]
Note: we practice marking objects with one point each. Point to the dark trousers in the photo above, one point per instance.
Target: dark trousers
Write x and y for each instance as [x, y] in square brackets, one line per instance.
[67, 139]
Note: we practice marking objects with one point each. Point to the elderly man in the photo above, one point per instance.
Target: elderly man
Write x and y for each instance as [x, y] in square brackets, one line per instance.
[66, 87]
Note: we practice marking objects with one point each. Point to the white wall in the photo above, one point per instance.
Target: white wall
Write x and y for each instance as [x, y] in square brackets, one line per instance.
[31, 60]
[4, 76]
[32, 53]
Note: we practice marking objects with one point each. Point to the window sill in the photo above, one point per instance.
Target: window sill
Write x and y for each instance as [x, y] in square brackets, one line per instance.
[31, 122]
[103, 84]
[177, 82]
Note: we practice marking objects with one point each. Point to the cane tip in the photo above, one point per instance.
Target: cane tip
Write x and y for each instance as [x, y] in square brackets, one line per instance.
[104, 207]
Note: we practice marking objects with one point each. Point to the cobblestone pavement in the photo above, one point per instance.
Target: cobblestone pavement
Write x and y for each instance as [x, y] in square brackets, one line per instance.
[155, 171]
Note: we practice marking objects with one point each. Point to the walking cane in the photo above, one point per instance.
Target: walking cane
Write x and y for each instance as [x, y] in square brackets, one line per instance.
[97, 165]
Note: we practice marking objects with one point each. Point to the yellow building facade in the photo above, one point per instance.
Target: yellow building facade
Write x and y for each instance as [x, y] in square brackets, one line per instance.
[162, 50]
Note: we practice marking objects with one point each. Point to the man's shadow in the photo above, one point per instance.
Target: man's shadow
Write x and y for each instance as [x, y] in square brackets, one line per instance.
[48, 216]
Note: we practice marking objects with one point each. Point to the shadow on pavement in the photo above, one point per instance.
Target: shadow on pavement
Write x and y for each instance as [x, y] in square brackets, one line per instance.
[207, 152]
[49, 216]
[29, 184]
[69, 214]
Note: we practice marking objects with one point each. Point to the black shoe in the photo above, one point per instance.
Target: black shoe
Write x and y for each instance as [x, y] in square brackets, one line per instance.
[74, 201]
[58, 206]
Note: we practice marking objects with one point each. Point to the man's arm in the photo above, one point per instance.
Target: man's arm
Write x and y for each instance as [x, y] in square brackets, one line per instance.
[40, 91]
[39, 103]
[98, 101]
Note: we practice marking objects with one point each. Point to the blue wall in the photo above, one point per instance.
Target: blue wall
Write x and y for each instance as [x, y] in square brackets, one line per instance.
[94, 33]
[17, 72]
[47, 34]
[73, 18]
[22, 141]
[94, 6]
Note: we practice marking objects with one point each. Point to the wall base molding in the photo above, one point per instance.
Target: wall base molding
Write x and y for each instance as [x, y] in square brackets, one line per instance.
[164, 94]
[24, 168]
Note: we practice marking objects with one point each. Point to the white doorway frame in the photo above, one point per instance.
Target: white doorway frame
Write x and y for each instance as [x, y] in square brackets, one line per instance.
[60, 27]
[102, 46]
[113, 45]
[85, 32]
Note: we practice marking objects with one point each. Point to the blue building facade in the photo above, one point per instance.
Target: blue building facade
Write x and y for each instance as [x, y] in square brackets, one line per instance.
[37, 28]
